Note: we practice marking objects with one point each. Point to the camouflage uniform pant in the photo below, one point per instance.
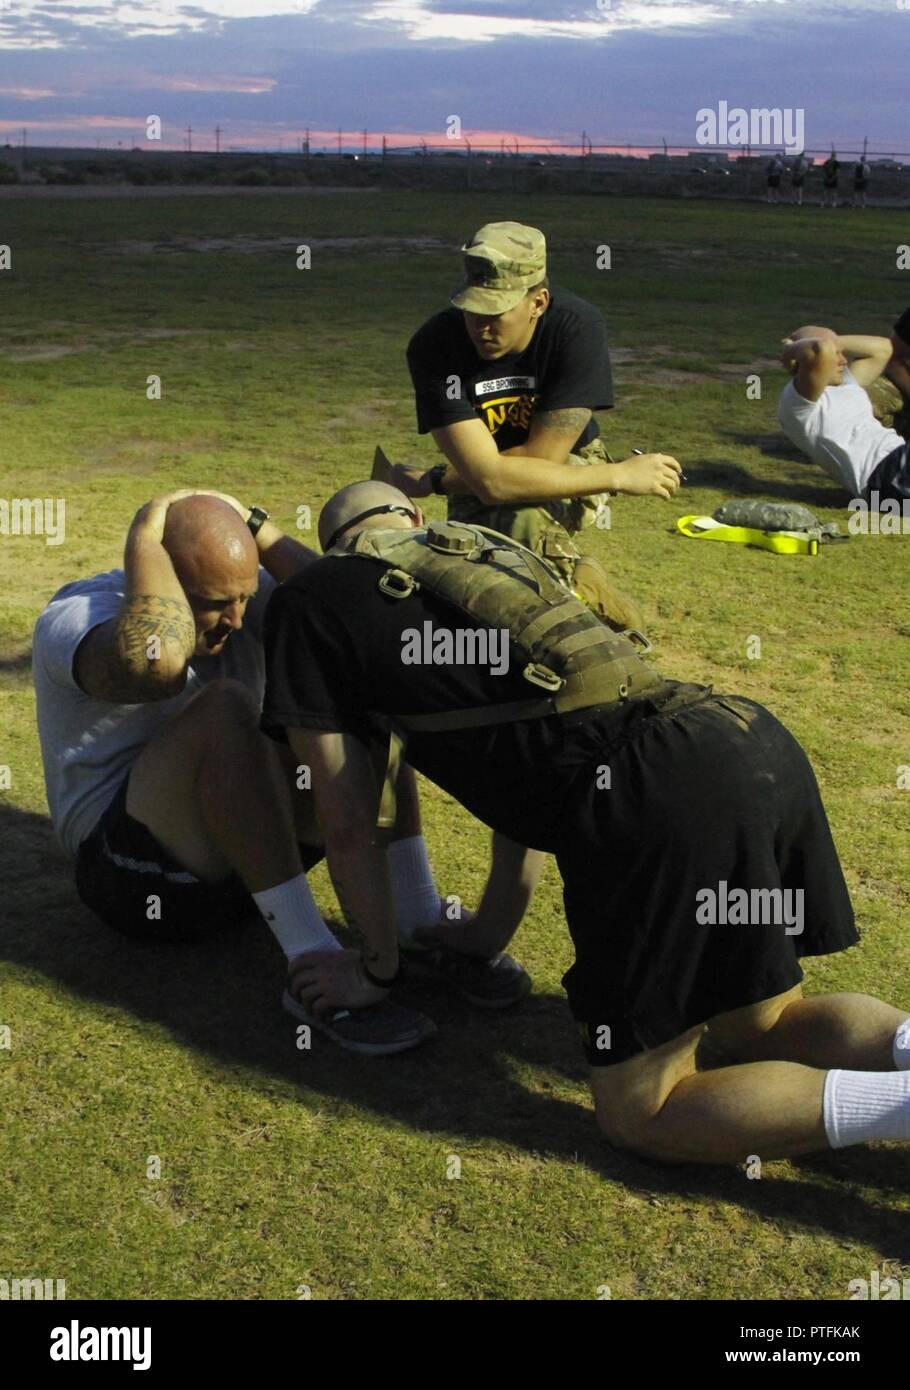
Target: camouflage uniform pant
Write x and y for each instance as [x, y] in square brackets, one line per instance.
[548, 529]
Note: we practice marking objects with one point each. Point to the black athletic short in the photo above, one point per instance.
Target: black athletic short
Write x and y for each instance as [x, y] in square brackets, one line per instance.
[774, 180]
[891, 478]
[716, 796]
[137, 887]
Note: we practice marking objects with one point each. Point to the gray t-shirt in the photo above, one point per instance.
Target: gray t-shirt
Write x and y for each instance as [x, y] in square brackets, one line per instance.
[88, 746]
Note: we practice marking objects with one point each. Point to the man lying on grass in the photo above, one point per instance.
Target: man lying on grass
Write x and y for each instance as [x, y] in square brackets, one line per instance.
[697, 861]
[826, 412]
[181, 816]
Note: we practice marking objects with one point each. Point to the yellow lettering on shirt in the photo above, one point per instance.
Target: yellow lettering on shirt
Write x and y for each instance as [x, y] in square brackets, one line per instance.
[512, 410]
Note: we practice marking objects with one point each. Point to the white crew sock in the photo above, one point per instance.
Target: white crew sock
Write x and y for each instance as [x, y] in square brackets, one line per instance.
[417, 902]
[901, 1050]
[863, 1105]
[292, 915]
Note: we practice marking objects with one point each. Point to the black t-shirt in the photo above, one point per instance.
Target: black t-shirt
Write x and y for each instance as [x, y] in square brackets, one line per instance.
[902, 327]
[334, 647]
[566, 365]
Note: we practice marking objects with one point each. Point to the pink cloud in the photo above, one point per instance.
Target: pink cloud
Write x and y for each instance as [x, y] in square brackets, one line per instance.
[253, 85]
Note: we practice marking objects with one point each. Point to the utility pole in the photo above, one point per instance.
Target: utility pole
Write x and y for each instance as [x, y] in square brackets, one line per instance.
[189, 139]
[339, 142]
[218, 139]
[364, 142]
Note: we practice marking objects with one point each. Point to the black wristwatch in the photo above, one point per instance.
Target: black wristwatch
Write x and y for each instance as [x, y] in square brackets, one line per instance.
[255, 519]
[436, 475]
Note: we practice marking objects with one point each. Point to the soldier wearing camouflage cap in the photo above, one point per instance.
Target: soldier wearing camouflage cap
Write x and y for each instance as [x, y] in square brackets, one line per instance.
[507, 381]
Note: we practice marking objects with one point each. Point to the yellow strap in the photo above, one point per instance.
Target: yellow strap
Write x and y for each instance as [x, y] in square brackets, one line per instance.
[705, 528]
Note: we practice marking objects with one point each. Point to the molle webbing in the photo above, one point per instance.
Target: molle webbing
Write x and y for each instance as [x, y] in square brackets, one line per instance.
[572, 658]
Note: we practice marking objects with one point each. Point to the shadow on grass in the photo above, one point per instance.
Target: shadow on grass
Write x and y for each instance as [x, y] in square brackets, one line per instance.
[16, 666]
[721, 473]
[220, 997]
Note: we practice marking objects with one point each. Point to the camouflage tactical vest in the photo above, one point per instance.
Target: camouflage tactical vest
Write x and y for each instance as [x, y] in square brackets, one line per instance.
[570, 659]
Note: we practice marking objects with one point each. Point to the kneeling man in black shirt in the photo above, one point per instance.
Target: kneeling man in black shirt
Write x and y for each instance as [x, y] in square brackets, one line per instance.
[696, 857]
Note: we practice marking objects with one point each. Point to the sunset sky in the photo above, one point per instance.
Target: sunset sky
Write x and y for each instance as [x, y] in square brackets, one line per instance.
[80, 72]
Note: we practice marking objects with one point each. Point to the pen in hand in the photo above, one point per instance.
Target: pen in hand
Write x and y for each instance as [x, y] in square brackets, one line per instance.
[682, 476]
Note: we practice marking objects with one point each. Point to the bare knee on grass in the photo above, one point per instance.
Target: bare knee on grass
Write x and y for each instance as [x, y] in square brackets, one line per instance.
[631, 1098]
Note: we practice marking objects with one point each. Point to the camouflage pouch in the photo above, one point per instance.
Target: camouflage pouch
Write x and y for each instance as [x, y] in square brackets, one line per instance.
[578, 513]
[775, 516]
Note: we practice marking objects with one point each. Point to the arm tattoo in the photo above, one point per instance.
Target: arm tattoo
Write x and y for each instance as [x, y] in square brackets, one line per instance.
[147, 616]
[114, 665]
[571, 421]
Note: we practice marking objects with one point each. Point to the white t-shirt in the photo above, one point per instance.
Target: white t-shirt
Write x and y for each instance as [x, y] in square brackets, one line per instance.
[838, 431]
[87, 745]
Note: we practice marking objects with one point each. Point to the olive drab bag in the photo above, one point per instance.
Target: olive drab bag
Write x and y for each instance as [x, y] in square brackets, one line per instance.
[570, 659]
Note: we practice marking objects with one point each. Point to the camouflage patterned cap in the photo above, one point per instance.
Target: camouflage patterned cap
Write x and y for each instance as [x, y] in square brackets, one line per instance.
[502, 262]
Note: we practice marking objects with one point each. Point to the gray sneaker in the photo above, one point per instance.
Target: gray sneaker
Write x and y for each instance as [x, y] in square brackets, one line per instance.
[374, 1031]
[493, 983]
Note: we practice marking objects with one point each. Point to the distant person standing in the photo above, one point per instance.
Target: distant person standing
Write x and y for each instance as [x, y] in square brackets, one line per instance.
[830, 173]
[775, 169]
[798, 170]
[860, 183]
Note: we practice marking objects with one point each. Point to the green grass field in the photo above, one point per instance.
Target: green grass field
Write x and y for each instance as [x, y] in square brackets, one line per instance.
[282, 1168]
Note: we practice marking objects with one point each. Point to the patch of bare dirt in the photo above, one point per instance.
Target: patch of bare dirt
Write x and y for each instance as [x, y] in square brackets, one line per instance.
[40, 352]
[759, 364]
[47, 352]
[665, 376]
[133, 192]
[245, 244]
[137, 456]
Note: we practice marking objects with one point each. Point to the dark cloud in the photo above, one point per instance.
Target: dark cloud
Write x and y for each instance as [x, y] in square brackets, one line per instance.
[334, 68]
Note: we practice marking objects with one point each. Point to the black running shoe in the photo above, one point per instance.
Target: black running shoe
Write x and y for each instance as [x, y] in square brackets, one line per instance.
[375, 1031]
[494, 983]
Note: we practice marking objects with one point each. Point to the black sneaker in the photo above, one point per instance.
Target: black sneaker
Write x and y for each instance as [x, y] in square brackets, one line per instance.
[494, 983]
[375, 1031]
